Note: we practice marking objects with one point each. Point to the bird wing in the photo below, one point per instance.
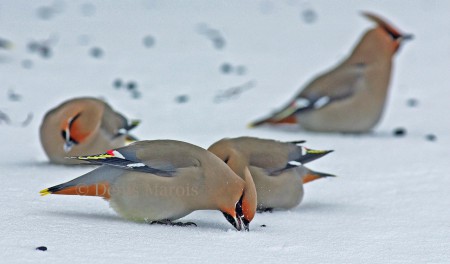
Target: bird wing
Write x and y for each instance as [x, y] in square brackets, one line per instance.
[161, 157]
[122, 160]
[339, 84]
[115, 124]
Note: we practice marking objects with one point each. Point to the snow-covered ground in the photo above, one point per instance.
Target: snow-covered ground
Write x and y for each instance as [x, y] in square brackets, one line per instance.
[389, 204]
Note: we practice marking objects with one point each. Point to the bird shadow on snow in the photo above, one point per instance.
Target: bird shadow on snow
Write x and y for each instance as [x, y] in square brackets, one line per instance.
[112, 218]
[293, 129]
[87, 216]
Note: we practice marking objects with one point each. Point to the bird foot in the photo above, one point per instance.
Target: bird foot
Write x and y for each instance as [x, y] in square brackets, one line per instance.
[168, 222]
[264, 210]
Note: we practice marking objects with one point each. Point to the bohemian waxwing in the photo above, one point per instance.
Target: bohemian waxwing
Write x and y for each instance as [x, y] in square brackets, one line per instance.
[83, 126]
[351, 96]
[275, 167]
[163, 180]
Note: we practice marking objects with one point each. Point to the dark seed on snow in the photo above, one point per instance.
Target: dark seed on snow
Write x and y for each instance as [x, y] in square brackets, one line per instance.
[263, 225]
[226, 68]
[219, 42]
[45, 52]
[412, 102]
[149, 41]
[117, 83]
[96, 52]
[431, 137]
[131, 85]
[309, 16]
[42, 248]
[181, 99]
[399, 132]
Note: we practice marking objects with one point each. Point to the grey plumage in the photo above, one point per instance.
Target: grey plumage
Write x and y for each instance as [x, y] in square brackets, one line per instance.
[82, 126]
[350, 97]
[185, 178]
[278, 181]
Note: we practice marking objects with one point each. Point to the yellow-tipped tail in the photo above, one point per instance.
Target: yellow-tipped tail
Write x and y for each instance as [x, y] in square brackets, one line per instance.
[44, 192]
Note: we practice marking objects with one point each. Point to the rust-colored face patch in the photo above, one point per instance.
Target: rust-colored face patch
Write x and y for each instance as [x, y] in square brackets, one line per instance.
[72, 130]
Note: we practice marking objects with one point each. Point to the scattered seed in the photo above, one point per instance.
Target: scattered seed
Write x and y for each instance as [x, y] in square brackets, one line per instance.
[41, 248]
[214, 35]
[399, 132]
[226, 68]
[309, 15]
[28, 120]
[233, 92]
[412, 102]
[263, 225]
[96, 52]
[149, 41]
[5, 44]
[13, 96]
[181, 99]
[219, 42]
[131, 85]
[45, 52]
[117, 83]
[4, 118]
[431, 137]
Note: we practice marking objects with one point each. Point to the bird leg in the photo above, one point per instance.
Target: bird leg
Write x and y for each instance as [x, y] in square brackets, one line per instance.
[168, 222]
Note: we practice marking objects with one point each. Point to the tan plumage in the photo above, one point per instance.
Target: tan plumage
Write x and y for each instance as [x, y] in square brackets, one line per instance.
[165, 180]
[82, 126]
[274, 166]
[351, 96]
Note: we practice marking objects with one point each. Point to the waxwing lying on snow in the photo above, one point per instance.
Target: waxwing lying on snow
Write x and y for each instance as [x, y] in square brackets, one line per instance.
[275, 167]
[163, 180]
[351, 96]
[83, 126]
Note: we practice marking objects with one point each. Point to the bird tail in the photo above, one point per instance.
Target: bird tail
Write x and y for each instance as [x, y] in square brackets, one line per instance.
[314, 175]
[97, 189]
[274, 120]
[94, 183]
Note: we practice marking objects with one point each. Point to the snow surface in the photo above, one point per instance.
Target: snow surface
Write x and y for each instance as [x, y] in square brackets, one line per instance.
[390, 203]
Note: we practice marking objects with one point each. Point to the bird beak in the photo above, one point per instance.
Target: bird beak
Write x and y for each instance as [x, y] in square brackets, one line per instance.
[309, 155]
[239, 221]
[243, 223]
[235, 221]
[407, 37]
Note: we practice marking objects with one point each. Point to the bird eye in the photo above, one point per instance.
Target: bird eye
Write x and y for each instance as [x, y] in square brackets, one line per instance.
[63, 134]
